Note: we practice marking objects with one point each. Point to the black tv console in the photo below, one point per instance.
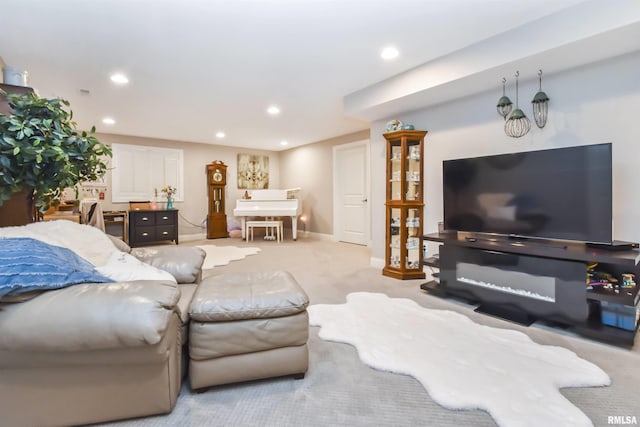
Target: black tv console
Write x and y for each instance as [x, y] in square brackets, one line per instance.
[527, 281]
[616, 245]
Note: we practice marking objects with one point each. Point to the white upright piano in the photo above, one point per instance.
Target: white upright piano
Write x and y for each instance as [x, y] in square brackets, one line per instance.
[270, 203]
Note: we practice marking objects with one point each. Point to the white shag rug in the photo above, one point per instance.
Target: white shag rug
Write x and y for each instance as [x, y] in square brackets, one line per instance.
[222, 255]
[462, 364]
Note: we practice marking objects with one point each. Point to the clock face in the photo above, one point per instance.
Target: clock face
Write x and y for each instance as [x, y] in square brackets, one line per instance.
[217, 176]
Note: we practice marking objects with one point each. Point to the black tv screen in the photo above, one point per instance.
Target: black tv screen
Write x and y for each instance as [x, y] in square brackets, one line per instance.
[557, 194]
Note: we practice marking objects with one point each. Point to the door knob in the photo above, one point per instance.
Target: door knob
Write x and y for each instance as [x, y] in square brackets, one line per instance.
[365, 200]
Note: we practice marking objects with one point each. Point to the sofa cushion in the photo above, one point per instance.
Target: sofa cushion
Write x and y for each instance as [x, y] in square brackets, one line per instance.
[255, 295]
[182, 262]
[120, 244]
[108, 357]
[90, 317]
[28, 265]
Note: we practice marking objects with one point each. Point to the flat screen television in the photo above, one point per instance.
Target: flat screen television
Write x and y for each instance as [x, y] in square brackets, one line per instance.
[554, 194]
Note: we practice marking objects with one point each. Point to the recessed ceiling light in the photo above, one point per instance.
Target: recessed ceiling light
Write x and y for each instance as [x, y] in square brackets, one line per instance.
[284, 143]
[389, 53]
[220, 135]
[273, 110]
[108, 121]
[119, 78]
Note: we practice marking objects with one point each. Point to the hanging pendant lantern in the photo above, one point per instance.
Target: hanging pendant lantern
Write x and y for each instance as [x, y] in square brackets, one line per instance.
[540, 105]
[504, 104]
[518, 124]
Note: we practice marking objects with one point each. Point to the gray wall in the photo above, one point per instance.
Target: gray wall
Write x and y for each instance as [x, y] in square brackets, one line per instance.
[311, 168]
[593, 104]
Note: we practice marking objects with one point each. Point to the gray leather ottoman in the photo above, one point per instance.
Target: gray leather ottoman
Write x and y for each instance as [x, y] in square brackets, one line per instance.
[247, 326]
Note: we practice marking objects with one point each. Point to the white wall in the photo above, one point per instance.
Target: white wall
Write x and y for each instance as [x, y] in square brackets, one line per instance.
[589, 105]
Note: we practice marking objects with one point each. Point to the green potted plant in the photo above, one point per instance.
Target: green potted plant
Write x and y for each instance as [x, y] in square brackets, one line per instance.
[41, 154]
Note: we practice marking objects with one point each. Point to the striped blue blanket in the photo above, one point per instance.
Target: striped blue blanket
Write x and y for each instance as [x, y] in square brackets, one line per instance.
[28, 265]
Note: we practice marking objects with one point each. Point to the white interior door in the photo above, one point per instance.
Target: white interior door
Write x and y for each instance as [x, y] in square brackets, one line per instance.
[351, 193]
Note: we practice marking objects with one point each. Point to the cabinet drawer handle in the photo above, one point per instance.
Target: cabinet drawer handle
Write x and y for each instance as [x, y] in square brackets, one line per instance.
[165, 232]
[145, 234]
[144, 218]
[165, 217]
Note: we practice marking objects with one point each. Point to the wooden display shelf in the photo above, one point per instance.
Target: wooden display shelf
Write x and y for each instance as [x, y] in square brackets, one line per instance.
[404, 204]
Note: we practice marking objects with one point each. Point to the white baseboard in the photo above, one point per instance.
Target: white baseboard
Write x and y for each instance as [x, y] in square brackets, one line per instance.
[190, 237]
[301, 235]
[318, 236]
[376, 262]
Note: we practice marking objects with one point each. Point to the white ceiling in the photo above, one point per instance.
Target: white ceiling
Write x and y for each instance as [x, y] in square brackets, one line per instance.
[197, 67]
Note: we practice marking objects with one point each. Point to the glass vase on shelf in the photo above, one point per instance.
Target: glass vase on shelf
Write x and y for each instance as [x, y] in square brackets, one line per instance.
[169, 203]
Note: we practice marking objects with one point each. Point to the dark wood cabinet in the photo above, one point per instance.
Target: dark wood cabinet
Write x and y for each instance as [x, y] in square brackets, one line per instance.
[151, 226]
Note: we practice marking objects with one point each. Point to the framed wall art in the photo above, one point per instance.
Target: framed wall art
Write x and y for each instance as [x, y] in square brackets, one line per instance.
[253, 172]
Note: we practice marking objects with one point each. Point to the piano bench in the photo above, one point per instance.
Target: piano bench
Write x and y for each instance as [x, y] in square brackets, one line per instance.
[273, 226]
